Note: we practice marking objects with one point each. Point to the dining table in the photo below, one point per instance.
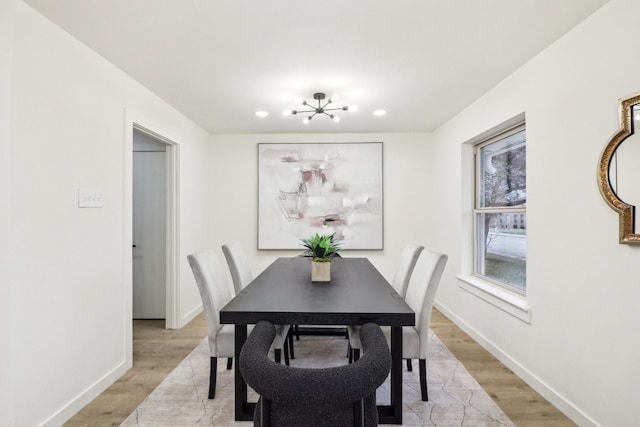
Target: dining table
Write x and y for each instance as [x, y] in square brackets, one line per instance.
[284, 294]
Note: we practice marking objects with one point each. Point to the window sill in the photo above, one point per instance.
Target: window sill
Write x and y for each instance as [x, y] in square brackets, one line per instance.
[506, 301]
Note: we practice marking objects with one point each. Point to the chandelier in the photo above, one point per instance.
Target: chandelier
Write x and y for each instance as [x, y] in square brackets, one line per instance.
[320, 109]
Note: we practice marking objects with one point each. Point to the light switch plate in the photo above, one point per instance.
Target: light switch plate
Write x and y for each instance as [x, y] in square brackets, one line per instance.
[89, 198]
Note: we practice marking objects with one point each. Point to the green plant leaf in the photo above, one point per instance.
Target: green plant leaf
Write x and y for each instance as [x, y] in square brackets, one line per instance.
[321, 247]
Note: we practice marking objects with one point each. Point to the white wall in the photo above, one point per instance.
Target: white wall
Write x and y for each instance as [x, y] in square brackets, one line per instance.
[6, 292]
[407, 203]
[580, 349]
[68, 269]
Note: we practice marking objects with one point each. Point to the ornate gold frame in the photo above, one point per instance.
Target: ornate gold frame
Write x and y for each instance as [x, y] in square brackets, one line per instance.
[625, 211]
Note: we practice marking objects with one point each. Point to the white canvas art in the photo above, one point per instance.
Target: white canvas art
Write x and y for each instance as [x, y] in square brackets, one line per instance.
[323, 188]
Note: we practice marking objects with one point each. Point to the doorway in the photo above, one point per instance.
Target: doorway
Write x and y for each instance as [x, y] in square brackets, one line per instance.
[153, 227]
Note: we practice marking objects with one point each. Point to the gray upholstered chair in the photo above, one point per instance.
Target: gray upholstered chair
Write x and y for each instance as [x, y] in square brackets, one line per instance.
[405, 267]
[332, 397]
[420, 296]
[216, 292]
[241, 275]
[239, 266]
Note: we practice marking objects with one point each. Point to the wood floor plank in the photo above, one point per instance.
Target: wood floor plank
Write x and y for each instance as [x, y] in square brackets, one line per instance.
[157, 351]
[523, 405]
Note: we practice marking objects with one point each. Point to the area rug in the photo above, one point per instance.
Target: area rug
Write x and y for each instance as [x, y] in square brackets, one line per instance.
[455, 398]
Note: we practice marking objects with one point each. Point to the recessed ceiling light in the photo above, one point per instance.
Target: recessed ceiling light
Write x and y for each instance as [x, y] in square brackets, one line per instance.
[261, 114]
[379, 112]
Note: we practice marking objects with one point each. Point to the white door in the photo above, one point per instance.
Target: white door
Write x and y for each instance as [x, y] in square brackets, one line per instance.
[149, 234]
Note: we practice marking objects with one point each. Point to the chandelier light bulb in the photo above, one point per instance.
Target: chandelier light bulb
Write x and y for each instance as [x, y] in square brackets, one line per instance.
[379, 113]
[334, 97]
[335, 118]
[261, 114]
[306, 120]
[287, 112]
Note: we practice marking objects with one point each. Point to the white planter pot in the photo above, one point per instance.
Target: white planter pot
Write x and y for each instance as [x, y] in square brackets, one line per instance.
[320, 271]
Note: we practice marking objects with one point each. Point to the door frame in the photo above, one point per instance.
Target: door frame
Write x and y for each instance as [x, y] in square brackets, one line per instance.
[171, 211]
[132, 120]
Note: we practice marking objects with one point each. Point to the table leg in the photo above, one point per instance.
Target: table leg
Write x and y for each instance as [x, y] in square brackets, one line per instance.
[393, 414]
[396, 373]
[242, 407]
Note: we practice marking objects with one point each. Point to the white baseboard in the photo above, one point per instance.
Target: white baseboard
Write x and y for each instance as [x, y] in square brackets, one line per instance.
[80, 401]
[93, 391]
[566, 407]
[190, 316]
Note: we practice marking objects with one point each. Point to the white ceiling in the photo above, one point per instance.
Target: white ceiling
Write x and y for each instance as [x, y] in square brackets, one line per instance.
[218, 61]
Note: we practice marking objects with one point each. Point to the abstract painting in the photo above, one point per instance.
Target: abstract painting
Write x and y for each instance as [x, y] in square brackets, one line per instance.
[324, 188]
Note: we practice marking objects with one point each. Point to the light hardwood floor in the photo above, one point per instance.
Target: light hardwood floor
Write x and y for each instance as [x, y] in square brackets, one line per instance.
[157, 351]
[523, 405]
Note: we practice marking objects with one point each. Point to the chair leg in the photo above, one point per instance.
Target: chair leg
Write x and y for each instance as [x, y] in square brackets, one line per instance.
[358, 412]
[422, 363]
[229, 363]
[297, 332]
[291, 342]
[212, 377]
[409, 365]
[356, 354]
[286, 352]
[265, 412]
[277, 355]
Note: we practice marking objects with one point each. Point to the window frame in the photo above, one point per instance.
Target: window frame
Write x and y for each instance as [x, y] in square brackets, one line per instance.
[517, 212]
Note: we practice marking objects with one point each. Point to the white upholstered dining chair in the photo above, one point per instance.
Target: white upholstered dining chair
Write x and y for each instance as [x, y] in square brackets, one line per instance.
[216, 292]
[405, 267]
[420, 296]
[241, 275]
[239, 266]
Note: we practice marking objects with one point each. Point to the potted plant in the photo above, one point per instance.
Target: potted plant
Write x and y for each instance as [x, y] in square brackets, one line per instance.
[321, 249]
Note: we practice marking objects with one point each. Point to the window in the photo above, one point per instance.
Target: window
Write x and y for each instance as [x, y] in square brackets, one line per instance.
[500, 228]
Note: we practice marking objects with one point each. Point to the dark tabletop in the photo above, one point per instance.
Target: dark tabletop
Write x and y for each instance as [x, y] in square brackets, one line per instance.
[284, 294]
